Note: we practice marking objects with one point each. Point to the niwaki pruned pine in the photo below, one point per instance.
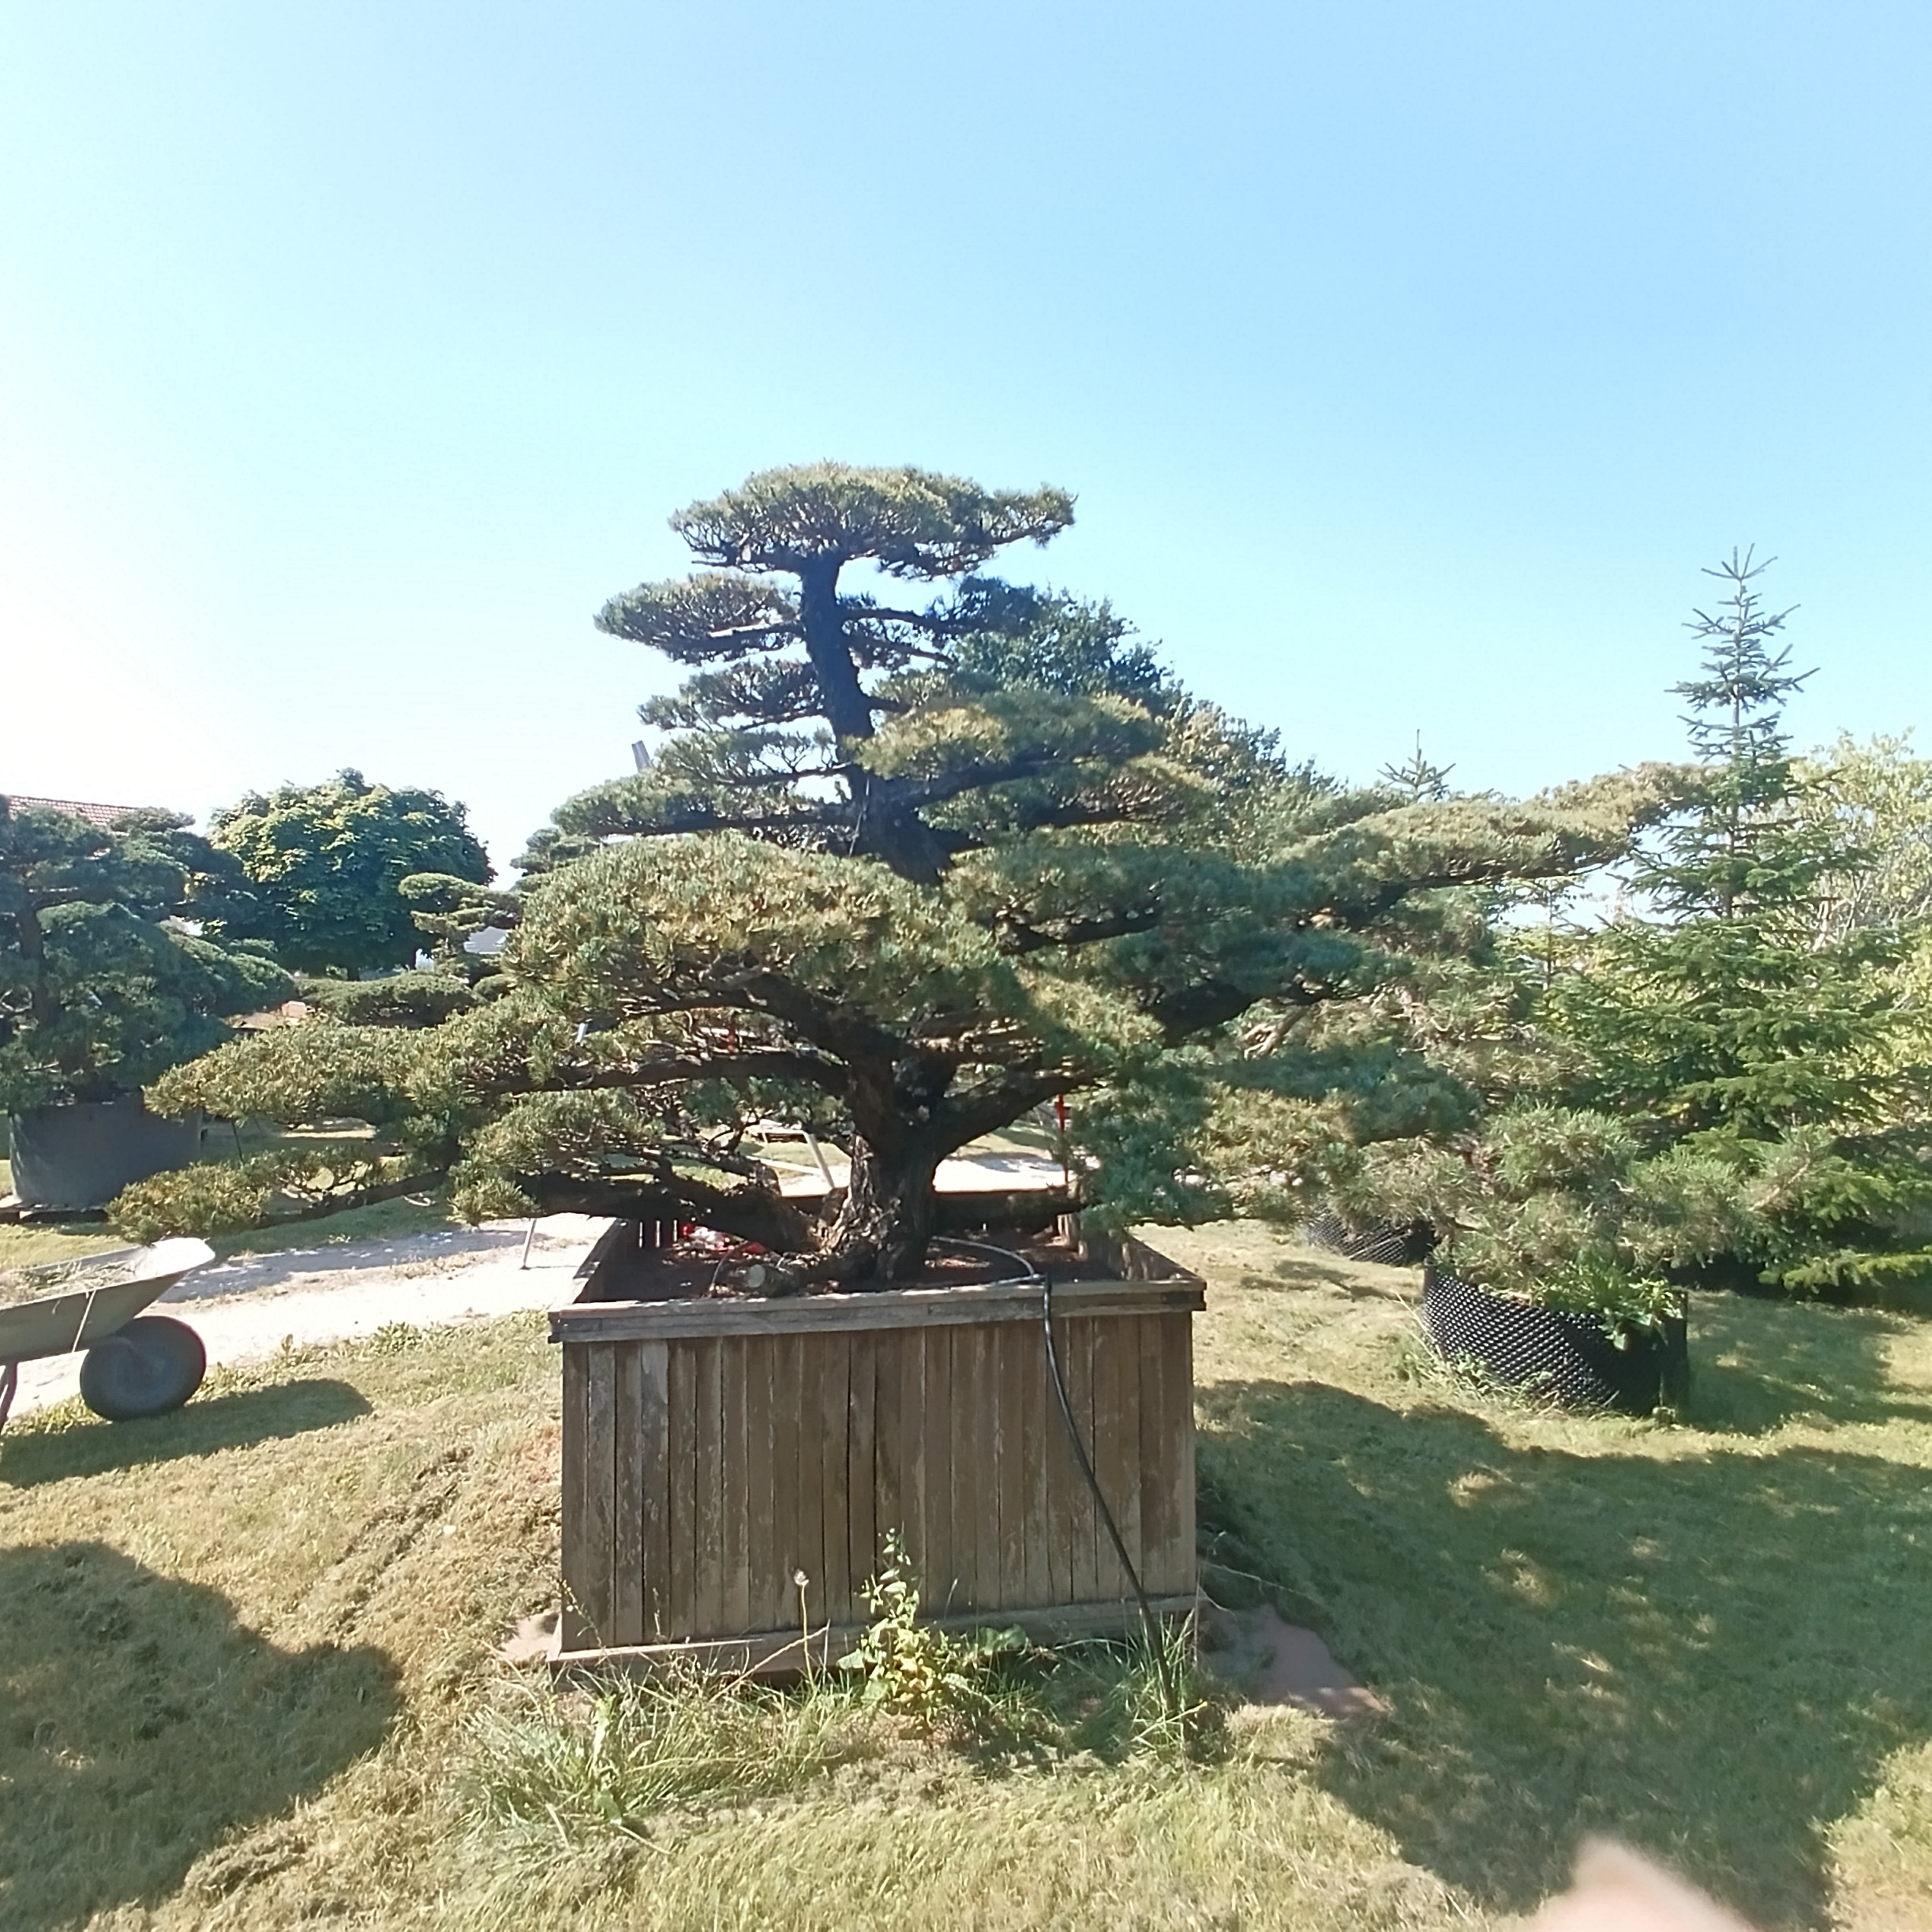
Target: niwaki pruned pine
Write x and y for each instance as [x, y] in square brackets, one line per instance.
[917, 850]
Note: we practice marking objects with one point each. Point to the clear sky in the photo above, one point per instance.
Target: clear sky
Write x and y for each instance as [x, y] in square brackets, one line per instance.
[1408, 358]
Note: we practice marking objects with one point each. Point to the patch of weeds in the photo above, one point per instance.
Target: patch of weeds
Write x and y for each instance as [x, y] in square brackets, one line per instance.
[552, 1769]
[938, 1680]
[394, 1338]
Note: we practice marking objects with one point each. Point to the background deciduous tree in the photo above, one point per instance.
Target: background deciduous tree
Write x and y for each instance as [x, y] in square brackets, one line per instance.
[327, 864]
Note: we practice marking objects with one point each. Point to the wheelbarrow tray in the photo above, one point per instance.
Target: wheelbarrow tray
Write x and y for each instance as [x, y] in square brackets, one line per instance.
[58, 1324]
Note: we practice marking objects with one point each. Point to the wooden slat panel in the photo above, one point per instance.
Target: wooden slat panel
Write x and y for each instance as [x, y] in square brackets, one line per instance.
[1186, 1572]
[967, 1349]
[832, 1354]
[700, 1474]
[734, 1486]
[1157, 1523]
[681, 1471]
[1063, 1481]
[627, 1495]
[1116, 1443]
[656, 1472]
[708, 1536]
[940, 1571]
[580, 1555]
[1014, 1348]
[981, 1424]
[888, 1443]
[1169, 1527]
[911, 1355]
[1079, 1362]
[765, 1558]
[1040, 1425]
[599, 1498]
[861, 1466]
[802, 1367]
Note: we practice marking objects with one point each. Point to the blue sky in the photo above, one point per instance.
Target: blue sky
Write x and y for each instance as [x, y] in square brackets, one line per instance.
[1408, 359]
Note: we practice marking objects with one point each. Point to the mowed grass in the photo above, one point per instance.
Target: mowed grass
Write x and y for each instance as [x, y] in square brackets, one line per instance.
[247, 1673]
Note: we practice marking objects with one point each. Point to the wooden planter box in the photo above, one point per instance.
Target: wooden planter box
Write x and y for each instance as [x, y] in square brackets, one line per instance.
[714, 1449]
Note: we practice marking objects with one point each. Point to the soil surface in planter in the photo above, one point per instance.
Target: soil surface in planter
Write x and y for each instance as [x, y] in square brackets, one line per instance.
[706, 1266]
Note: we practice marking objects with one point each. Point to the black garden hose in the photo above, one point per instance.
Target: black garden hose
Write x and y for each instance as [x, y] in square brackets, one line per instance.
[1170, 1691]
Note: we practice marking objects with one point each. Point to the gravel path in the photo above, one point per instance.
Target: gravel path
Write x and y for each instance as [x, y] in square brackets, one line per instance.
[245, 1309]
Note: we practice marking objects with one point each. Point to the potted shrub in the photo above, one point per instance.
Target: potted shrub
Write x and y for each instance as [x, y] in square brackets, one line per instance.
[106, 982]
[1562, 1244]
[1588, 1334]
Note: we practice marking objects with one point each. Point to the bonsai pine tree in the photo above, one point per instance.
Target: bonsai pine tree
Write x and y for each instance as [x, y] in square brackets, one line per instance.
[327, 864]
[901, 867]
[104, 982]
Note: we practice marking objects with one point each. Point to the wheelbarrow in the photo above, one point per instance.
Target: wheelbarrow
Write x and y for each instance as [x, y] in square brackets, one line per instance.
[131, 1364]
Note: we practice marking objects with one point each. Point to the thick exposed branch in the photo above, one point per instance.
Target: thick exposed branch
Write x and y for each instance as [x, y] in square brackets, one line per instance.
[1016, 937]
[753, 1214]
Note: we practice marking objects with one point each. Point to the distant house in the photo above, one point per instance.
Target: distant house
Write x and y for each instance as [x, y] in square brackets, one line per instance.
[78, 808]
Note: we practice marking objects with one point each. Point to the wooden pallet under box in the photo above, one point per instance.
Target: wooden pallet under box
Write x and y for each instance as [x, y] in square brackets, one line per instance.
[715, 1449]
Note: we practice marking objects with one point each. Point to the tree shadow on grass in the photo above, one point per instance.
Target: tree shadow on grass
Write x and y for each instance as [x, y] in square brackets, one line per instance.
[1711, 1655]
[1756, 1367]
[141, 1725]
[38, 1453]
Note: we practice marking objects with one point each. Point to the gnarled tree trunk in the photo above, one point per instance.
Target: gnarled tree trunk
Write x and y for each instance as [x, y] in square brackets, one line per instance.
[889, 1215]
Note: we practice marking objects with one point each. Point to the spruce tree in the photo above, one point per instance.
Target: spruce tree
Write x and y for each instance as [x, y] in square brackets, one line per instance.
[1720, 1091]
[1723, 1010]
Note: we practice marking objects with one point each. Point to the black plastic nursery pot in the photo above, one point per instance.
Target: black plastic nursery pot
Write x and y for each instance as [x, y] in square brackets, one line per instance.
[1567, 1357]
[1392, 1246]
[79, 1155]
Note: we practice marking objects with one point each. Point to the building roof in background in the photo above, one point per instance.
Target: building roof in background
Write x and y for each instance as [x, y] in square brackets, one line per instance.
[78, 808]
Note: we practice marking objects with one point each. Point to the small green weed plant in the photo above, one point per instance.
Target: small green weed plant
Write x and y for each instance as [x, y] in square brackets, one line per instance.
[930, 1675]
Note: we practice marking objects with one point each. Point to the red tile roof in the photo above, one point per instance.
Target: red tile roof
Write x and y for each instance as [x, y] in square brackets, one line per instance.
[94, 815]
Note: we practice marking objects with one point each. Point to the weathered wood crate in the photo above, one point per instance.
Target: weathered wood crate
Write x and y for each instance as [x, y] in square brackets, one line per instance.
[715, 1450]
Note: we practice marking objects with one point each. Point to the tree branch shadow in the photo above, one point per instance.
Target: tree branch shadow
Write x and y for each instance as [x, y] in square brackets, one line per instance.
[1711, 1655]
[142, 1725]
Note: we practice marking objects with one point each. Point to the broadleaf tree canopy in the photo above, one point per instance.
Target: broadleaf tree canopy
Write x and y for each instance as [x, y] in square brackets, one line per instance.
[327, 863]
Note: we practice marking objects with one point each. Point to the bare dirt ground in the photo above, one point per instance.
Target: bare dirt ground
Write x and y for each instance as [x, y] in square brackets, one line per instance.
[245, 1309]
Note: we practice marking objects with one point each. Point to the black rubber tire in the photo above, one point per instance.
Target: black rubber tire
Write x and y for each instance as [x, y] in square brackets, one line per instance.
[145, 1368]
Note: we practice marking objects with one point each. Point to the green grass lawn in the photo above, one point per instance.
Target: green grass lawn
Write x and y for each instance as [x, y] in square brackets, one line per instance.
[247, 1674]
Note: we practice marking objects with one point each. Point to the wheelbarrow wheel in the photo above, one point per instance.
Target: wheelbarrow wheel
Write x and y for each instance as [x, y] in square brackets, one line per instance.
[146, 1367]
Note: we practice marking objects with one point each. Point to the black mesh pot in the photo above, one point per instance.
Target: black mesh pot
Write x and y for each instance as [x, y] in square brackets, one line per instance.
[1567, 1357]
[1395, 1247]
[80, 1155]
